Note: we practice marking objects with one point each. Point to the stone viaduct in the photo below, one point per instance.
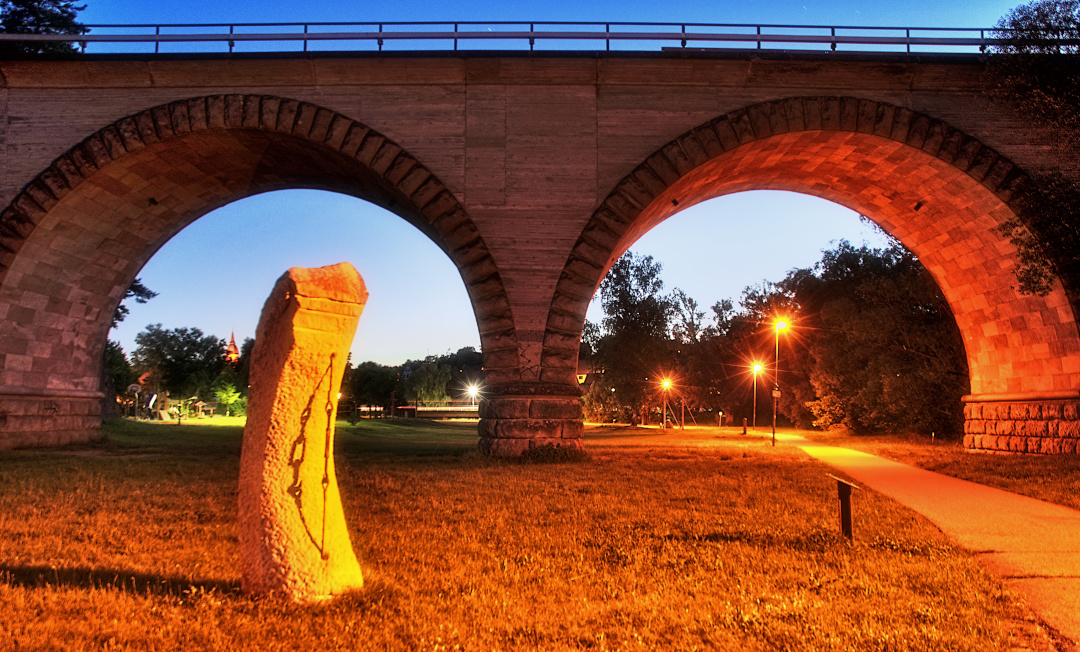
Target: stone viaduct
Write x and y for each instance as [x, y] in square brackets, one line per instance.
[533, 173]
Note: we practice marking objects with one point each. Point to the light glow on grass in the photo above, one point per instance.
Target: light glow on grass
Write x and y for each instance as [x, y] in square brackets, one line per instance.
[694, 539]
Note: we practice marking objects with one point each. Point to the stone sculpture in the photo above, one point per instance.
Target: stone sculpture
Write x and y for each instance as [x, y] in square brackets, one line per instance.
[293, 538]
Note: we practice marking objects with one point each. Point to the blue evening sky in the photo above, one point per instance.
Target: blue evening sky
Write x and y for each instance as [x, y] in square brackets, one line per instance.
[216, 274]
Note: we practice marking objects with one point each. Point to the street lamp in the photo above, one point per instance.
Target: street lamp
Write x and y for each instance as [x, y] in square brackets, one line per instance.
[780, 325]
[473, 392]
[757, 370]
[666, 385]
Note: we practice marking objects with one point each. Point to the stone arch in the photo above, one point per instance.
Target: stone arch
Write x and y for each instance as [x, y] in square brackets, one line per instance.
[75, 236]
[938, 190]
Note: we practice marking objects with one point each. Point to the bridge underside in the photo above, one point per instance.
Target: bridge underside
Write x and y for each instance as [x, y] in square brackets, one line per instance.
[533, 190]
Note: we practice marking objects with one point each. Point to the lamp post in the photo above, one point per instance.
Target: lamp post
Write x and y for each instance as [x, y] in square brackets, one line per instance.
[780, 325]
[757, 370]
[666, 385]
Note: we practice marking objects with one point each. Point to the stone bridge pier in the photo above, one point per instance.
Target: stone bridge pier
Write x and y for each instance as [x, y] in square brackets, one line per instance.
[533, 174]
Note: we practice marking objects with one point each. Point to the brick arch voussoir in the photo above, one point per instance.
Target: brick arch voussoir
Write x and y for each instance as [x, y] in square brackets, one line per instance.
[595, 249]
[434, 204]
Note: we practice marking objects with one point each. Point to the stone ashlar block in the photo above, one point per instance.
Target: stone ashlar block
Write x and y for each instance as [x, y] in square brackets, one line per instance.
[1070, 446]
[1069, 429]
[1016, 444]
[1052, 410]
[529, 428]
[559, 358]
[559, 376]
[573, 430]
[504, 408]
[495, 447]
[486, 427]
[553, 408]
[1071, 411]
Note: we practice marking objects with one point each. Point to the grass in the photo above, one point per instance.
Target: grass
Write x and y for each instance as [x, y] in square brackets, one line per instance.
[704, 540]
[1053, 478]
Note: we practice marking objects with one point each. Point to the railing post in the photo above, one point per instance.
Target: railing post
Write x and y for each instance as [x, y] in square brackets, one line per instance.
[455, 40]
[759, 34]
[532, 41]
[305, 40]
[907, 37]
[380, 40]
[683, 35]
[607, 37]
[231, 42]
[832, 45]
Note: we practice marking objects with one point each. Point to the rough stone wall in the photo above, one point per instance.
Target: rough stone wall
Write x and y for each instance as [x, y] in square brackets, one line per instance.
[520, 416]
[1046, 427]
[33, 421]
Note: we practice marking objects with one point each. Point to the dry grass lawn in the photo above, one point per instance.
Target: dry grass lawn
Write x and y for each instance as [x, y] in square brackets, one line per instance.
[656, 542]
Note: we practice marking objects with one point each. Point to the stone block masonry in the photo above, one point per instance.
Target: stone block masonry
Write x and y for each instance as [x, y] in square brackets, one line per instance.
[533, 174]
[1050, 427]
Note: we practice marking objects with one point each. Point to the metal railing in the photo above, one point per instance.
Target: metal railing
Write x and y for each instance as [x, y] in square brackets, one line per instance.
[510, 36]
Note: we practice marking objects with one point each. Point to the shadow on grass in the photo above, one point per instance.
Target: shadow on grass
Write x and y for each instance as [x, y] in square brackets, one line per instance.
[109, 578]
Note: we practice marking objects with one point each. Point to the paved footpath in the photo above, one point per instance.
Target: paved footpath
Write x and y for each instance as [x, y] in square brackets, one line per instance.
[1033, 545]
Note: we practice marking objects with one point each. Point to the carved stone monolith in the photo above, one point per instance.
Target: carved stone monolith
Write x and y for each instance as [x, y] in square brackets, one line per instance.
[293, 538]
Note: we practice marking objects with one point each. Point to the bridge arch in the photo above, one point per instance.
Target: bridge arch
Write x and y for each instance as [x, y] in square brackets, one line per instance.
[75, 237]
[938, 190]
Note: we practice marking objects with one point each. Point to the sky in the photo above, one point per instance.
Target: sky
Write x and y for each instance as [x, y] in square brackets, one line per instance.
[216, 274]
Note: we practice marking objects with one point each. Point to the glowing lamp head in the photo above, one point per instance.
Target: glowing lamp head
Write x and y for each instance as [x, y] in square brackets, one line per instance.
[757, 367]
[473, 391]
[666, 383]
[781, 325]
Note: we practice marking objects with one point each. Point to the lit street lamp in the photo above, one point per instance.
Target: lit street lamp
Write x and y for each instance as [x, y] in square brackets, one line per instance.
[666, 385]
[757, 370]
[780, 325]
[473, 391]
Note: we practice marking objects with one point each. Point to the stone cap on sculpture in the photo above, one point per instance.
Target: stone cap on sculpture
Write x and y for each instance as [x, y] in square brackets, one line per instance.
[340, 282]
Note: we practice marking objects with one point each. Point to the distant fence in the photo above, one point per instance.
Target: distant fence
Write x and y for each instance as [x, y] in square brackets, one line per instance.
[447, 411]
[510, 36]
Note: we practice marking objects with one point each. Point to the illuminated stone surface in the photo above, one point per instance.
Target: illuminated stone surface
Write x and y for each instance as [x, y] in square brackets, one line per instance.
[293, 538]
[533, 174]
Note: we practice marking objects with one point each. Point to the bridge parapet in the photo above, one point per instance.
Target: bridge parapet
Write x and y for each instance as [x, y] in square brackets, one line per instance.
[518, 35]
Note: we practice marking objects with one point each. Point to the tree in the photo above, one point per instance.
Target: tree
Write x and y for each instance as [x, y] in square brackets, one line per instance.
[466, 369]
[882, 351]
[635, 349]
[1039, 74]
[1034, 69]
[116, 375]
[374, 384]
[39, 17]
[139, 292]
[227, 395]
[426, 382]
[185, 360]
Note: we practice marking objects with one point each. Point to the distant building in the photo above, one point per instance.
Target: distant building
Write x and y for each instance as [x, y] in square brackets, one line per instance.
[232, 354]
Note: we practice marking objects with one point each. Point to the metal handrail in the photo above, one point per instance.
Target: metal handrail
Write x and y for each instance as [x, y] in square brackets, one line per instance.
[706, 34]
